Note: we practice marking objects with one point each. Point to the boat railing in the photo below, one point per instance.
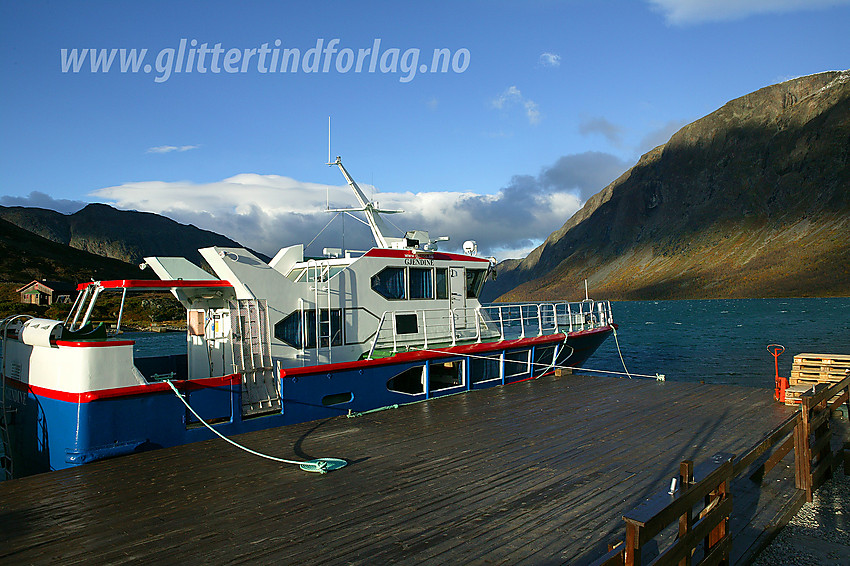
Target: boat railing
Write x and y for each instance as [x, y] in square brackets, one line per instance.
[417, 329]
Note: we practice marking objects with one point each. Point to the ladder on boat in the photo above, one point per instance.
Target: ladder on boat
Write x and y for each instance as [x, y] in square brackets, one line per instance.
[322, 294]
[252, 357]
[6, 465]
[5, 448]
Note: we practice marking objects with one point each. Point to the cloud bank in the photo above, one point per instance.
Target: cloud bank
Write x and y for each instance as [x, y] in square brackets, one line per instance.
[267, 212]
[685, 12]
[38, 199]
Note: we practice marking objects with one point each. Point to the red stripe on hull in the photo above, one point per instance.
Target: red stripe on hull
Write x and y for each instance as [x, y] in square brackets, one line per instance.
[89, 396]
[102, 344]
[404, 357]
[156, 284]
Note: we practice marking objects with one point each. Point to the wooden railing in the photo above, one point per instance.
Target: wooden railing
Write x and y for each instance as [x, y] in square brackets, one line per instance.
[806, 432]
[813, 456]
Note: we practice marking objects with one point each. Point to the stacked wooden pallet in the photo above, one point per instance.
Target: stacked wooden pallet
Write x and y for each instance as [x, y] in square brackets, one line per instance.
[810, 369]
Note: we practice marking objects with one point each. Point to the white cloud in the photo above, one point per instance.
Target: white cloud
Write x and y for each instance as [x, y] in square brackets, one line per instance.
[684, 12]
[170, 148]
[267, 212]
[532, 112]
[513, 96]
[549, 60]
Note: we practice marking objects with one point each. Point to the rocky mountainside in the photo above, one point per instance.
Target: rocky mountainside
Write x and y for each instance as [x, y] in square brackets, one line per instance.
[125, 235]
[752, 200]
[25, 256]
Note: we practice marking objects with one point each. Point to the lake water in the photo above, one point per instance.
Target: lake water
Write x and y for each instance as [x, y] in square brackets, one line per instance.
[723, 340]
[716, 341]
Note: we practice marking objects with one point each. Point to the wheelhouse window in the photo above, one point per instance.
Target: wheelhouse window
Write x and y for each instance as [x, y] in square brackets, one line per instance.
[389, 283]
[421, 283]
[442, 280]
[474, 282]
[290, 330]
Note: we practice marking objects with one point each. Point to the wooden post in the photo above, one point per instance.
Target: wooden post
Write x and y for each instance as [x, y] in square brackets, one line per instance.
[631, 555]
[719, 532]
[686, 479]
[804, 450]
[825, 452]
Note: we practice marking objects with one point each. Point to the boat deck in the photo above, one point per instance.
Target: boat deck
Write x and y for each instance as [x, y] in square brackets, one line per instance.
[538, 472]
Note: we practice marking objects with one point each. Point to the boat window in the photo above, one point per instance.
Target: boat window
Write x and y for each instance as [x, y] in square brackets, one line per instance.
[516, 363]
[409, 381]
[484, 368]
[474, 281]
[389, 283]
[335, 269]
[421, 283]
[295, 274]
[442, 281]
[337, 399]
[330, 326]
[290, 329]
[544, 359]
[445, 375]
[406, 324]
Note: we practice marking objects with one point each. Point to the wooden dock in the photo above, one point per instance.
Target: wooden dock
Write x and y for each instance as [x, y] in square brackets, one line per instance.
[539, 472]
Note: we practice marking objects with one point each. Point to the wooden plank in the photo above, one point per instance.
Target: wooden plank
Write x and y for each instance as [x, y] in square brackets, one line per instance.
[817, 357]
[535, 472]
[777, 434]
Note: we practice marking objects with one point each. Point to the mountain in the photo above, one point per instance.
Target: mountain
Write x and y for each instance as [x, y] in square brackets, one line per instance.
[125, 235]
[752, 200]
[25, 256]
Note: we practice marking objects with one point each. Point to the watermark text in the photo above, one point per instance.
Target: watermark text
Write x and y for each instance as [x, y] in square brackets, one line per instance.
[190, 56]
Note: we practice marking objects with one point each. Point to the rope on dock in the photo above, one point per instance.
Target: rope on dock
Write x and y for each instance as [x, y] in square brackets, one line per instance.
[320, 465]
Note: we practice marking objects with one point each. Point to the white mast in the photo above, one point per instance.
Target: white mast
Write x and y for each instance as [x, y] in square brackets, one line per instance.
[373, 214]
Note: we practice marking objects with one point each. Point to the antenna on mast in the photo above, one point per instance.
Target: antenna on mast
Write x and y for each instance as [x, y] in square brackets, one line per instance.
[327, 188]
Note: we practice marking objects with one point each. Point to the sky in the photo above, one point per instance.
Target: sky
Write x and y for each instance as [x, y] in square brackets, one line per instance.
[487, 120]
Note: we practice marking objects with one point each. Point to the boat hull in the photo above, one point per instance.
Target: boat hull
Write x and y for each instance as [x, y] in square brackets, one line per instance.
[51, 429]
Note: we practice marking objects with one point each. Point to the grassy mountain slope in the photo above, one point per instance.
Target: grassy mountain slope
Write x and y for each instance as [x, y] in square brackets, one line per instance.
[25, 256]
[125, 235]
[752, 200]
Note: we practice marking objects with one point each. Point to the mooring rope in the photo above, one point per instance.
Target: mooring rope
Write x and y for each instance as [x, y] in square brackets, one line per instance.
[617, 342]
[657, 376]
[321, 465]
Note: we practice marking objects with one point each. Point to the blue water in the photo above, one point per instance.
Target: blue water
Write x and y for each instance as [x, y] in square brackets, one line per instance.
[716, 341]
[723, 340]
[149, 344]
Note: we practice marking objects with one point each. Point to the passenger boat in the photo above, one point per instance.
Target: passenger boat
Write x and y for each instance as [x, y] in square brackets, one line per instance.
[271, 344]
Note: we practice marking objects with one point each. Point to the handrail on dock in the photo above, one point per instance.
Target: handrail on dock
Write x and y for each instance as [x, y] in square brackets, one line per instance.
[806, 432]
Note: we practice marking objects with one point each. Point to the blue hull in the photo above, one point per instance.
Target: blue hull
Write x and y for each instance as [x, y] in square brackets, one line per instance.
[50, 433]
